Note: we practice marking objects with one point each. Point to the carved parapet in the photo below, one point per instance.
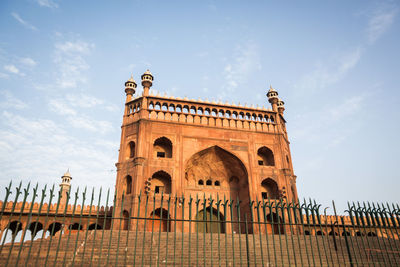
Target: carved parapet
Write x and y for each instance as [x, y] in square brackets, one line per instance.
[204, 113]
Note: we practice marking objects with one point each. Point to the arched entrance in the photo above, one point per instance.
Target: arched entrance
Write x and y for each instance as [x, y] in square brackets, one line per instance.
[210, 221]
[158, 221]
[215, 170]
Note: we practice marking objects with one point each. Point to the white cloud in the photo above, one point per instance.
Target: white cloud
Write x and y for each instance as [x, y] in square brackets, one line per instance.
[379, 23]
[27, 61]
[69, 56]
[11, 102]
[23, 22]
[42, 150]
[348, 107]
[61, 107]
[11, 68]
[47, 3]
[327, 74]
[4, 75]
[244, 61]
[83, 122]
[83, 101]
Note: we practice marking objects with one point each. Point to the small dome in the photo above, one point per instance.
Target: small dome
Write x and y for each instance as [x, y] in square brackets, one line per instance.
[148, 72]
[280, 103]
[67, 174]
[272, 92]
[131, 79]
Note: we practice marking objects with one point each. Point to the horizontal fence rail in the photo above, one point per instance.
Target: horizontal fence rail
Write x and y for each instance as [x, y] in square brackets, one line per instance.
[94, 228]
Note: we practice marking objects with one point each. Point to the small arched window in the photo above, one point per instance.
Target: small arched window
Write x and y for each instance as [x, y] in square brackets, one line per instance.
[131, 149]
[217, 183]
[269, 189]
[163, 148]
[265, 157]
[201, 182]
[209, 182]
[128, 185]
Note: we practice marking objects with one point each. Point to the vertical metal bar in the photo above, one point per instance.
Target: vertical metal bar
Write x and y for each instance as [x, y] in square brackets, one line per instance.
[26, 193]
[360, 217]
[259, 231]
[27, 224]
[211, 241]
[190, 229]
[36, 224]
[8, 193]
[347, 243]
[283, 204]
[168, 229]
[204, 229]
[87, 227]
[382, 212]
[106, 210]
[129, 229]
[375, 221]
[112, 226]
[69, 232]
[121, 219]
[137, 227]
[152, 228]
[239, 229]
[225, 203]
[304, 206]
[197, 229]
[159, 233]
[62, 225]
[144, 229]
[264, 204]
[45, 223]
[233, 239]
[271, 214]
[219, 229]
[175, 221]
[95, 230]
[291, 232]
[251, 203]
[358, 251]
[247, 241]
[18, 192]
[295, 206]
[314, 226]
[52, 230]
[79, 227]
[183, 224]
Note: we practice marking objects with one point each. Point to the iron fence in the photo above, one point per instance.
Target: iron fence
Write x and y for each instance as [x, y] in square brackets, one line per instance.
[44, 228]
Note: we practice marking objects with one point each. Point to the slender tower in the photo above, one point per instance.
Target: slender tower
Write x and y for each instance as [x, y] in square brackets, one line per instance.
[65, 187]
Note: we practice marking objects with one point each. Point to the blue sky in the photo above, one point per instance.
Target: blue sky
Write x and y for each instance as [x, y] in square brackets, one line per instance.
[63, 65]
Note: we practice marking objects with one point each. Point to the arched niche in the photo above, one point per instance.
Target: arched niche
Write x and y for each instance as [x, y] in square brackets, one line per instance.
[127, 185]
[162, 148]
[269, 189]
[265, 156]
[210, 220]
[217, 164]
[159, 220]
[130, 150]
[161, 183]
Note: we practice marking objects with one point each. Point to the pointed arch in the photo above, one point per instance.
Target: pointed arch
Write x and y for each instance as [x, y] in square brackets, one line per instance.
[161, 183]
[210, 220]
[269, 189]
[265, 156]
[163, 147]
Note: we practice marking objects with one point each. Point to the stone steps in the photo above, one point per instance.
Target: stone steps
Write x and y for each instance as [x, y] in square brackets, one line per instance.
[205, 249]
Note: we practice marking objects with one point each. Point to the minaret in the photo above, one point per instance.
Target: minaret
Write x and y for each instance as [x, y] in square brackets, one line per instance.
[130, 88]
[281, 106]
[147, 82]
[65, 187]
[273, 98]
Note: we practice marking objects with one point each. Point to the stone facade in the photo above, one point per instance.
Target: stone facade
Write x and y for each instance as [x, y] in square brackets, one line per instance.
[182, 147]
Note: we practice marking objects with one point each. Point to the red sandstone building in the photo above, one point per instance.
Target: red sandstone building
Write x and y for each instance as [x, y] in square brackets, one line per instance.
[181, 147]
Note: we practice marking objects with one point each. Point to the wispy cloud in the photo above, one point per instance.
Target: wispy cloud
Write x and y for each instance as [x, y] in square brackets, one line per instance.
[27, 61]
[244, 61]
[23, 22]
[69, 56]
[11, 102]
[71, 106]
[380, 22]
[45, 149]
[327, 74]
[12, 69]
[47, 3]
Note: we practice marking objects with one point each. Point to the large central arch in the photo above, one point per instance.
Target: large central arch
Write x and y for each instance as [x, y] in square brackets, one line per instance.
[216, 170]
